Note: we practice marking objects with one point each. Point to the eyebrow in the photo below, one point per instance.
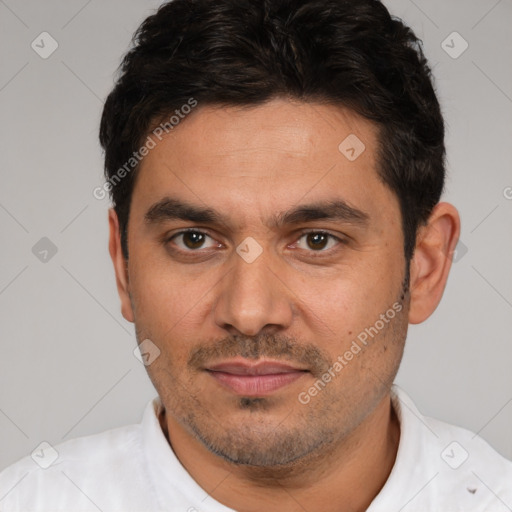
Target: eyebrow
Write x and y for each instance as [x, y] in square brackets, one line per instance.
[170, 208]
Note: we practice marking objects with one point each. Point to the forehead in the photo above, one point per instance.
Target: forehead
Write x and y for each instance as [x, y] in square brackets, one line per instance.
[282, 127]
[254, 161]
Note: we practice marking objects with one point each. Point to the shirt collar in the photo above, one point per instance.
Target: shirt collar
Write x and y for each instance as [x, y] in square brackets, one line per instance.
[172, 481]
[412, 471]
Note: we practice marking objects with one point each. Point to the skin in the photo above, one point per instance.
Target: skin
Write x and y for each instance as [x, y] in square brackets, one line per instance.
[296, 302]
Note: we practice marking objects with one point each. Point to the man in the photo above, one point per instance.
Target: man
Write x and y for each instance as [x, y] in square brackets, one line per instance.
[276, 170]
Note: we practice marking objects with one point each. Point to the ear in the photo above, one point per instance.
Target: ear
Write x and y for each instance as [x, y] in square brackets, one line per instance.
[432, 260]
[120, 265]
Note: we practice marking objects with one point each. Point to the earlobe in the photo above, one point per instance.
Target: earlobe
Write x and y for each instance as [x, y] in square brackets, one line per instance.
[120, 266]
[432, 261]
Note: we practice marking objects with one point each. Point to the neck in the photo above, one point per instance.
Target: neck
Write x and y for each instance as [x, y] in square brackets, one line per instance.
[347, 475]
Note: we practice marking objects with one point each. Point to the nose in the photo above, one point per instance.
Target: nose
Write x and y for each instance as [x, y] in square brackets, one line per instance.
[253, 298]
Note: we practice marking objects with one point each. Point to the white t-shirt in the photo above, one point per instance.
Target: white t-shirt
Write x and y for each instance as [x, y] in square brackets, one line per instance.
[439, 468]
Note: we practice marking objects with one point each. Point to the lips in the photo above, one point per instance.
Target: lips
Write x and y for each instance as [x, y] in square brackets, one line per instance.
[257, 379]
[259, 368]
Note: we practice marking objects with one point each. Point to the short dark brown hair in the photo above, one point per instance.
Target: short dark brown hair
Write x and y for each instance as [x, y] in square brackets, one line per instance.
[246, 52]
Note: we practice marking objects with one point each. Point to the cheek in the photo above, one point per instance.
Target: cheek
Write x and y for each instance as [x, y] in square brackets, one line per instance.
[348, 302]
[165, 298]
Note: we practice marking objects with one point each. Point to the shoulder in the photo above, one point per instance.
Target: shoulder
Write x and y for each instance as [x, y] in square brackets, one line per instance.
[79, 471]
[443, 465]
[468, 458]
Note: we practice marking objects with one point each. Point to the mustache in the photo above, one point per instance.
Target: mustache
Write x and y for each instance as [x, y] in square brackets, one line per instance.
[265, 345]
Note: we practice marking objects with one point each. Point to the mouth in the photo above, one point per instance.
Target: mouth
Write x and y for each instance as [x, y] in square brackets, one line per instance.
[257, 379]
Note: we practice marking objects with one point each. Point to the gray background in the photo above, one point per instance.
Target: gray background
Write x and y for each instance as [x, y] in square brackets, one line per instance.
[67, 366]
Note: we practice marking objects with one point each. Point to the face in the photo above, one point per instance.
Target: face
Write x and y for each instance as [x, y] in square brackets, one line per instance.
[267, 266]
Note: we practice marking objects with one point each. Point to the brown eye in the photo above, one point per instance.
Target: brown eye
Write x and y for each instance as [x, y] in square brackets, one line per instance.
[191, 240]
[317, 240]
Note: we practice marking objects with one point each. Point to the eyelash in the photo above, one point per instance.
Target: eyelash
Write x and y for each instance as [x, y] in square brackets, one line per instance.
[316, 254]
